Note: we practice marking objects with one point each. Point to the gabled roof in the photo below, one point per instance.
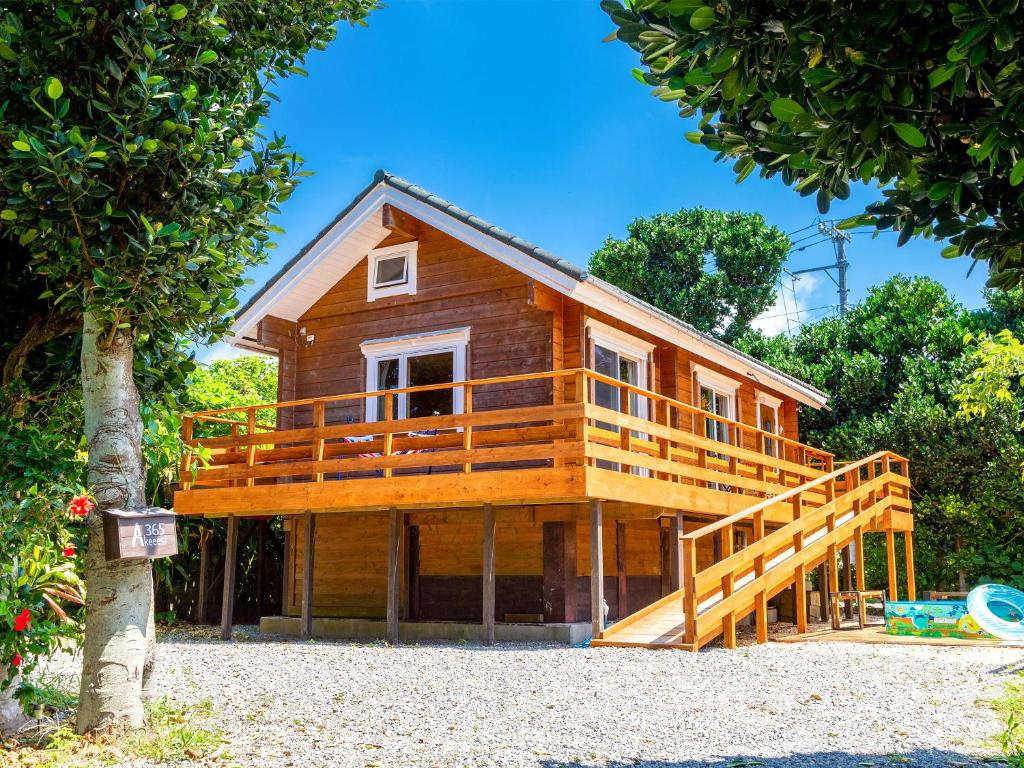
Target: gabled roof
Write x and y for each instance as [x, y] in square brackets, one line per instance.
[339, 246]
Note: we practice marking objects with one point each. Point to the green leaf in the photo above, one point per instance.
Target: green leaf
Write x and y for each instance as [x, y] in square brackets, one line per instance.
[54, 89]
[940, 190]
[941, 75]
[910, 135]
[785, 109]
[207, 57]
[703, 18]
[7, 53]
[150, 145]
[177, 11]
[694, 137]
[1017, 174]
[21, 146]
[168, 229]
[99, 154]
[8, 214]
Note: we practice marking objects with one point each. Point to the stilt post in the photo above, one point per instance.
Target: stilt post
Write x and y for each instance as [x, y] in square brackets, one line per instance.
[394, 538]
[596, 568]
[308, 560]
[908, 540]
[890, 554]
[227, 607]
[488, 575]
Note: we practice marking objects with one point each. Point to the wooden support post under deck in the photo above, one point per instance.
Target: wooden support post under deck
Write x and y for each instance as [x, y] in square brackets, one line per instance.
[308, 558]
[620, 569]
[823, 579]
[204, 574]
[394, 538]
[908, 540]
[847, 582]
[858, 544]
[800, 600]
[890, 554]
[227, 607]
[761, 601]
[596, 568]
[488, 575]
[675, 530]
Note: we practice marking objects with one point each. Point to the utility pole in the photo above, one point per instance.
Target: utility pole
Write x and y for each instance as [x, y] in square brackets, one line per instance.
[839, 240]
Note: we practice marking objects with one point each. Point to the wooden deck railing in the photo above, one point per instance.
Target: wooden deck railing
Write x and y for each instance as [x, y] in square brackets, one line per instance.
[827, 512]
[327, 439]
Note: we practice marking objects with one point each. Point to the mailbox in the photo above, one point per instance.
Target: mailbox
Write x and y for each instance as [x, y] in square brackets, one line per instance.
[147, 532]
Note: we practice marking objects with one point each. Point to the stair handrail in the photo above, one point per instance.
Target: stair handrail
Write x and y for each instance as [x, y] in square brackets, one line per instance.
[764, 504]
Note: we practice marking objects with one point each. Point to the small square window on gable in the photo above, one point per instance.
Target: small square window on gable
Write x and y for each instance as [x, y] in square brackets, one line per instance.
[391, 271]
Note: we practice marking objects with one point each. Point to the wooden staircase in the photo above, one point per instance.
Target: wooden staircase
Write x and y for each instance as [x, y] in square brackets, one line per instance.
[825, 514]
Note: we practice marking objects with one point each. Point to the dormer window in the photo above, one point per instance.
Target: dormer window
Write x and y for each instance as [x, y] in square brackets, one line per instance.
[391, 271]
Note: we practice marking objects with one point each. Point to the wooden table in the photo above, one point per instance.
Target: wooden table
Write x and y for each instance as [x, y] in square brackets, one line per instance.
[860, 597]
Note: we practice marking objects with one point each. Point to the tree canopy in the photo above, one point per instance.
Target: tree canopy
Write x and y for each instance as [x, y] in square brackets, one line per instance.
[924, 97]
[893, 367]
[712, 269]
[136, 177]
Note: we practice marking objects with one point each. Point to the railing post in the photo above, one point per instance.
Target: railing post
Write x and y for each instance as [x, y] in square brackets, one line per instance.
[625, 435]
[800, 573]
[319, 411]
[250, 458]
[689, 588]
[582, 397]
[761, 600]
[467, 430]
[186, 455]
[728, 583]
[389, 438]
[234, 450]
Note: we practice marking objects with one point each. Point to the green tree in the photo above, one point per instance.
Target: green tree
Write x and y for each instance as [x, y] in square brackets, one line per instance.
[245, 380]
[136, 176]
[893, 366]
[921, 96]
[712, 269]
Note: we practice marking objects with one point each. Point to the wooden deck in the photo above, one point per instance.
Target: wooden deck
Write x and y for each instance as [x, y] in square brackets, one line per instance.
[649, 457]
[565, 451]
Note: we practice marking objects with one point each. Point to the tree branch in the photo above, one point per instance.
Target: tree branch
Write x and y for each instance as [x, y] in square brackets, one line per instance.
[40, 330]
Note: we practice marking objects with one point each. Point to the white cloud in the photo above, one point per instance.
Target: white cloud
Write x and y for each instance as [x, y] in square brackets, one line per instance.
[793, 299]
[219, 351]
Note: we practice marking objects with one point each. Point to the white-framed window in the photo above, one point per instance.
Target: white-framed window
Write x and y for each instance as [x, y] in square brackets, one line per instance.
[769, 419]
[718, 396]
[619, 356]
[417, 360]
[391, 271]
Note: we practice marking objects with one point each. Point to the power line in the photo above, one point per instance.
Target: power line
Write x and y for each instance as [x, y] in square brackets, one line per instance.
[785, 313]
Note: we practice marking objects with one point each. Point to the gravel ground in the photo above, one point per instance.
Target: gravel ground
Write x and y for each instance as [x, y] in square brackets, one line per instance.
[291, 703]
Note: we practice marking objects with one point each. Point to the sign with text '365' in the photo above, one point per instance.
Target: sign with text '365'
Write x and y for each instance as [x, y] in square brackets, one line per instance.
[148, 532]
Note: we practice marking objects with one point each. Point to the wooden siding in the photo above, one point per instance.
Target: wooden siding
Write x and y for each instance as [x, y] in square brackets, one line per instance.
[457, 286]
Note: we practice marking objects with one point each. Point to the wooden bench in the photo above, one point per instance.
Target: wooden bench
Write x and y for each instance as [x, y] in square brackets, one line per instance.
[858, 596]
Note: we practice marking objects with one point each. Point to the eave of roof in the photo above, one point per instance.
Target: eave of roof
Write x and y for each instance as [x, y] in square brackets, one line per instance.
[565, 267]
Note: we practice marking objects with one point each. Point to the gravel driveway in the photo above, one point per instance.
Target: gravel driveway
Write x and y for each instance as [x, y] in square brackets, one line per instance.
[292, 703]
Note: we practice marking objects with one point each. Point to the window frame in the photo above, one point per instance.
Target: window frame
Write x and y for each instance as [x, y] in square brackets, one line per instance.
[774, 404]
[455, 340]
[407, 287]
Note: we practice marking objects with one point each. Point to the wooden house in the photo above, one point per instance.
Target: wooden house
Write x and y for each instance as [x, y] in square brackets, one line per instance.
[472, 430]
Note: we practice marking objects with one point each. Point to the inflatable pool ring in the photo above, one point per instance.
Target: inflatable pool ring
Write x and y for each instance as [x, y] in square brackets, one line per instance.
[1008, 604]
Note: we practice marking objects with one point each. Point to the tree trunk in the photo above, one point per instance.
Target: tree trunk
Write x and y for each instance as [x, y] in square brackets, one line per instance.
[119, 644]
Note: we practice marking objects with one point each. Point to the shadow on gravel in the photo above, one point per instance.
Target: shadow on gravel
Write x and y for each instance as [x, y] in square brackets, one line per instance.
[924, 758]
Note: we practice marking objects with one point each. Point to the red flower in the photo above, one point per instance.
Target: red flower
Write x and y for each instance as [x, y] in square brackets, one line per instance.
[16, 660]
[22, 620]
[80, 506]
[69, 551]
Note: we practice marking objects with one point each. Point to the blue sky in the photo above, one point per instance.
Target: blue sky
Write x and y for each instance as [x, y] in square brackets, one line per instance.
[518, 112]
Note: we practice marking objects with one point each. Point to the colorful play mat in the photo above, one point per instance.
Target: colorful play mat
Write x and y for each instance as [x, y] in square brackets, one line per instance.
[990, 612]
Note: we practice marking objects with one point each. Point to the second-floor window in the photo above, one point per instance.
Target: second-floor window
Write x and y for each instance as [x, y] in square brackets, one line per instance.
[416, 361]
[391, 271]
